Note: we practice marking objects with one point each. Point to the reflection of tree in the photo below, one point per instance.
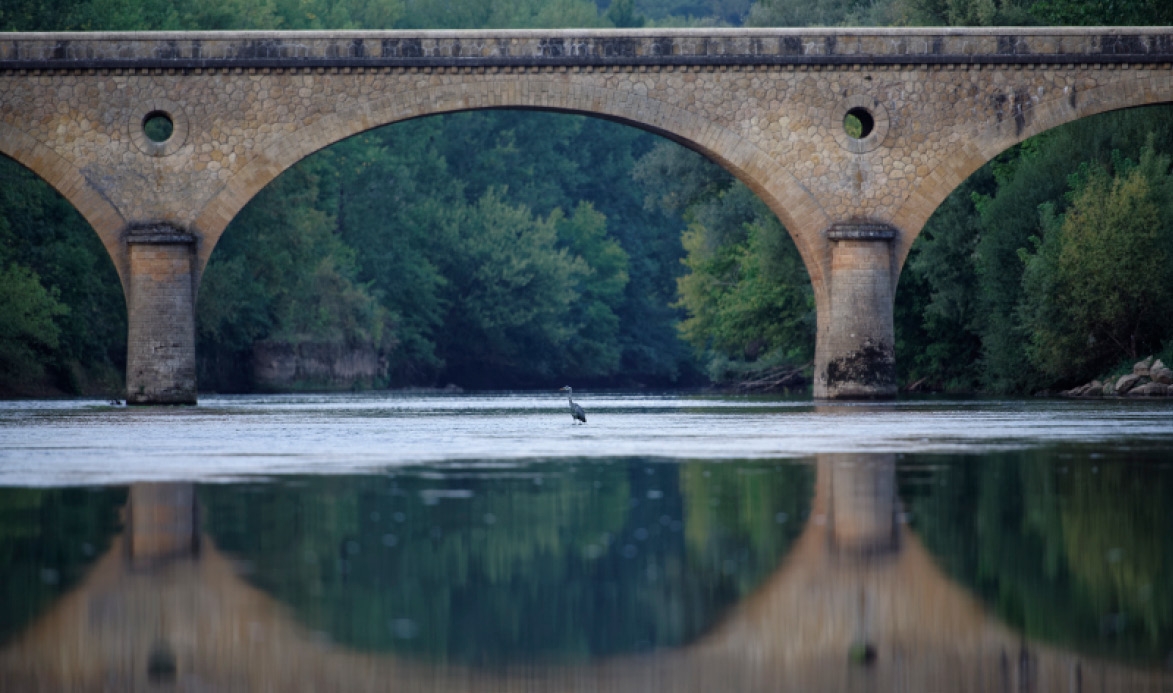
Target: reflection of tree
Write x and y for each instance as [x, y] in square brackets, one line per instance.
[554, 561]
[750, 508]
[1112, 521]
[47, 538]
[1067, 546]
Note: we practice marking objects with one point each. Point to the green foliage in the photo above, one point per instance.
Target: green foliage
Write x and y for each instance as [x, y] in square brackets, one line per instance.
[1098, 287]
[937, 306]
[48, 538]
[621, 14]
[281, 273]
[750, 298]
[747, 293]
[27, 327]
[62, 318]
[801, 13]
[1103, 12]
[480, 567]
[1039, 175]
[499, 14]
[970, 12]
[1067, 545]
[594, 346]
[508, 290]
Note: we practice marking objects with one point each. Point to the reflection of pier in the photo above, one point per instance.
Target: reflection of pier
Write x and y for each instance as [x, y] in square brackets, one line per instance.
[858, 604]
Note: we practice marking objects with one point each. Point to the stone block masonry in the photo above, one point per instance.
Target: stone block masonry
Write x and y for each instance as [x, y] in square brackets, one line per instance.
[160, 359]
[768, 105]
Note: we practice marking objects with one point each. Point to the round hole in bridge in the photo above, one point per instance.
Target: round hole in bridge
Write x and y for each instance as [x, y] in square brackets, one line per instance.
[158, 126]
[859, 123]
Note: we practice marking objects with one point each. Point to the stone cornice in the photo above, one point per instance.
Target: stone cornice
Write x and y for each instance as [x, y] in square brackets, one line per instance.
[691, 47]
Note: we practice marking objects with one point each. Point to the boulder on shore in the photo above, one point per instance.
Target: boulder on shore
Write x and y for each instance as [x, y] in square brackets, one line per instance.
[1142, 367]
[1127, 382]
[1149, 378]
[1150, 390]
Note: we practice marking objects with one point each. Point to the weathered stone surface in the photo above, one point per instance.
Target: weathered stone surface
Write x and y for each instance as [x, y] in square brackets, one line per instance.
[1142, 367]
[1149, 390]
[278, 366]
[160, 358]
[768, 105]
[1161, 375]
[1126, 383]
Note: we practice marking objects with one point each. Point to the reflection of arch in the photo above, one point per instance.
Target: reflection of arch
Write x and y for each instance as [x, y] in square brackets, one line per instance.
[73, 185]
[193, 610]
[780, 189]
[1016, 121]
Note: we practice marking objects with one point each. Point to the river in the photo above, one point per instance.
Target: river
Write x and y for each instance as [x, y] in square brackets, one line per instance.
[674, 542]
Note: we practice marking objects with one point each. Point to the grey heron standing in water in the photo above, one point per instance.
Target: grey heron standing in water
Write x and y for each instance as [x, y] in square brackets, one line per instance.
[576, 412]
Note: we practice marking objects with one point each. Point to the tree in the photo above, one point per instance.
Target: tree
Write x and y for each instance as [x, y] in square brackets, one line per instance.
[621, 14]
[937, 300]
[593, 348]
[509, 290]
[1098, 286]
[281, 273]
[27, 327]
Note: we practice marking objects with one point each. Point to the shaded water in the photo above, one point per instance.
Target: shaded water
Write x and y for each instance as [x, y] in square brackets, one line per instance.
[487, 543]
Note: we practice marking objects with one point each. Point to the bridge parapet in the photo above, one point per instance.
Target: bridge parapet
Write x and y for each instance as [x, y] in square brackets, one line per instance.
[291, 50]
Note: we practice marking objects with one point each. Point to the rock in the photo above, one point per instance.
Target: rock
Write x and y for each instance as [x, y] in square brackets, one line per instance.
[1149, 390]
[1142, 367]
[1093, 389]
[1126, 383]
[1158, 364]
[1161, 375]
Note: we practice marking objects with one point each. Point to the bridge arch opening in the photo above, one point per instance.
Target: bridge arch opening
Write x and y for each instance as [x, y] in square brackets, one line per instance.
[62, 310]
[778, 188]
[976, 277]
[536, 167]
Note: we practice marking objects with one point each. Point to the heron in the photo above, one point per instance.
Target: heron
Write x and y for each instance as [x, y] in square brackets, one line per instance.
[576, 412]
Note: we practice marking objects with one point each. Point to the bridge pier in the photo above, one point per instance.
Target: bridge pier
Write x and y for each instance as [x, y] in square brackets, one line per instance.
[855, 355]
[160, 349]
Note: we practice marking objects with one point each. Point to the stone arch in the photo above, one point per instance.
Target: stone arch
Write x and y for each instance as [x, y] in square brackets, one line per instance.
[1000, 134]
[794, 205]
[71, 183]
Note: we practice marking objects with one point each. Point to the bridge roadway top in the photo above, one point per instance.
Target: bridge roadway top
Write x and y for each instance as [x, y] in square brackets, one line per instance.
[583, 47]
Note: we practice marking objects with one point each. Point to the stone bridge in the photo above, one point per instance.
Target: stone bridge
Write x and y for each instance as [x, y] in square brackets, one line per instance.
[768, 105]
[163, 609]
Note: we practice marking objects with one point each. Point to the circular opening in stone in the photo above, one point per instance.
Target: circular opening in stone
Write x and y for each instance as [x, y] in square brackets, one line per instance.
[158, 126]
[859, 123]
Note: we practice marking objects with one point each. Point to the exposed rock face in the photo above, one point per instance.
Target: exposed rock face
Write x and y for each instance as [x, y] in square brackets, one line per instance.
[1160, 373]
[281, 367]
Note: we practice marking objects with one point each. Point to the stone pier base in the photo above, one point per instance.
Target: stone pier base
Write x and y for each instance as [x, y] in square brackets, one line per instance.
[160, 357]
[855, 357]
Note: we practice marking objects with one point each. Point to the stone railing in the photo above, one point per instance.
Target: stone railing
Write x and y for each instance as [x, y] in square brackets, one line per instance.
[289, 49]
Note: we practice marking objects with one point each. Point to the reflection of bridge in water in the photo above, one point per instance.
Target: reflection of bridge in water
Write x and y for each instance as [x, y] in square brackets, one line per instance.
[857, 604]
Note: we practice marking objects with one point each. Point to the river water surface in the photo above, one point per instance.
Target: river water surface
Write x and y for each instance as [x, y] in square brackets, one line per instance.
[486, 542]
